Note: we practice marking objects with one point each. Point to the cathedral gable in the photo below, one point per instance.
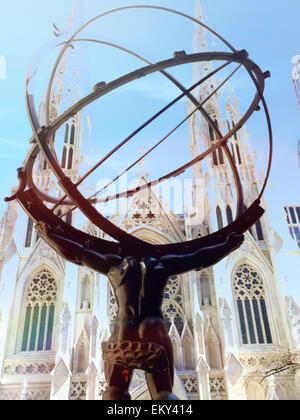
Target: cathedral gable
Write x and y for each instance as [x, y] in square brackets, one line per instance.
[43, 254]
[145, 209]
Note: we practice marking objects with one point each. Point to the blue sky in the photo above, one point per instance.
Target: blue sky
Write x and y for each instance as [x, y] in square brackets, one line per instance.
[268, 30]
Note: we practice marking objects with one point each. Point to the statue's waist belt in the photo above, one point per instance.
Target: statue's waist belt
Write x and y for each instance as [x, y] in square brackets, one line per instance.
[149, 357]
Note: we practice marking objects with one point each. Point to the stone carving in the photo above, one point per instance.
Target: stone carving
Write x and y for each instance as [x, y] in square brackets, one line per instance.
[190, 383]
[78, 388]
[102, 385]
[23, 367]
[217, 387]
[146, 209]
[172, 306]
[42, 290]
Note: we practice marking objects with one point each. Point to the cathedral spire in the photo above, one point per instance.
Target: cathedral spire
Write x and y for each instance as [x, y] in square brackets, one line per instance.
[200, 34]
[66, 88]
[200, 44]
[75, 20]
[198, 11]
[76, 16]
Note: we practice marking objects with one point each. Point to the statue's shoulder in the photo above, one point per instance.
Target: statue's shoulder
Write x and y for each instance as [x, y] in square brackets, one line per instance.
[153, 263]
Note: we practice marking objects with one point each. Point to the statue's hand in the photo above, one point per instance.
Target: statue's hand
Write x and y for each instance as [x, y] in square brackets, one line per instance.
[43, 230]
[235, 240]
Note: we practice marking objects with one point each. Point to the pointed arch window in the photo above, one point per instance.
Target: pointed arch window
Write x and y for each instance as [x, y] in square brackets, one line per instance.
[219, 218]
[70, 161]
[251, 305]
[172, 306]
[68, 150]
[45, 165]
[235, 147]
[69, 219]
[218, 157]
[29, 233]
[229, 214]
[293, 222]
[259, 231]
[65, 149]
[39, 313]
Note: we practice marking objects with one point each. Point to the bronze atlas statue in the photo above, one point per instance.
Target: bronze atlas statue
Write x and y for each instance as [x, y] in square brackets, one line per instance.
[137, 270]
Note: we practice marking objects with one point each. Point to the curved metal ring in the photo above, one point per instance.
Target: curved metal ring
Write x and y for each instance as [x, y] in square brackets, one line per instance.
[191, 19]
[68, 44]
[43, 136]
[68, 186]
[165, 9]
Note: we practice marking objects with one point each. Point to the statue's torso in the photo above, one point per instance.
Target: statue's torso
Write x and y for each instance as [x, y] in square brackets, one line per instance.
[139, 285]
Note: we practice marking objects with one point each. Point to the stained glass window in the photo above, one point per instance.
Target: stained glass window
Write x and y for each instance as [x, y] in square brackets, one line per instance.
[40, 313]
[251, 304]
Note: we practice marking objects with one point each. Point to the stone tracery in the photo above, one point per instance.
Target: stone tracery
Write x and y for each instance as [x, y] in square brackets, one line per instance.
[251, 303]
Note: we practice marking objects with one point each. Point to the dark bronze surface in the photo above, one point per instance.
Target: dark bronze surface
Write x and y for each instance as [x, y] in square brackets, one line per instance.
[140, 339]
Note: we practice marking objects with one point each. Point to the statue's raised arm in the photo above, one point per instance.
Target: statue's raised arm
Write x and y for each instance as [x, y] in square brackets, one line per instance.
[72, 244]
[75, 252]
[202, 258]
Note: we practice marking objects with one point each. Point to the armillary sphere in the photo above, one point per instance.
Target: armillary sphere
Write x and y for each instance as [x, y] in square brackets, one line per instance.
[34, 200]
